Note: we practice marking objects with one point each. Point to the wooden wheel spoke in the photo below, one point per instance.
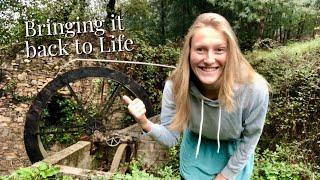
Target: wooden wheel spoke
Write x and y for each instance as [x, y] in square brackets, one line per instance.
[115, 92]
[60, 130]
[102, 91]
[76, 97]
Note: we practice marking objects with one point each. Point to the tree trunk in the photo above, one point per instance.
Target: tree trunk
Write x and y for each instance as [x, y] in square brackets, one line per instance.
[260, 30]
[110, 7]
[300, 27]
[162, 22]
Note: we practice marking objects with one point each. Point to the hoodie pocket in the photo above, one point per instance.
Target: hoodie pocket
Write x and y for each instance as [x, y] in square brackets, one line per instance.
[209, 161]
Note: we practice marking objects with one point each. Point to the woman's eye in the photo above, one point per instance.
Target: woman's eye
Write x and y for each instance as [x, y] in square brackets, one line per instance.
[200, 50]
[221, 50]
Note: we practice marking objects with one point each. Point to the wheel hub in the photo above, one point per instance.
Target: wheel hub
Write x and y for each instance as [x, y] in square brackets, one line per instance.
[94, 125]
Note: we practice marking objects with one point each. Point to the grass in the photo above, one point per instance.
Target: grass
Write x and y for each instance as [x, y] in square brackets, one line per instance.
[292, 50]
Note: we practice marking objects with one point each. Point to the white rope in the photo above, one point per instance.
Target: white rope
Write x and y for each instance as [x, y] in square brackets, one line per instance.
[116, 61]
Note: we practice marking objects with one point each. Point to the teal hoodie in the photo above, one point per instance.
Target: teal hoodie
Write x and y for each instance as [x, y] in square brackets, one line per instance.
[236, 133]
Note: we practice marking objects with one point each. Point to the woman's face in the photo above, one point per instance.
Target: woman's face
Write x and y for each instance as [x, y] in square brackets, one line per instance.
[208, 56]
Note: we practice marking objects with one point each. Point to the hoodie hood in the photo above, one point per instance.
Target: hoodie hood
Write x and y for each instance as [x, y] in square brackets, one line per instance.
[196, 93]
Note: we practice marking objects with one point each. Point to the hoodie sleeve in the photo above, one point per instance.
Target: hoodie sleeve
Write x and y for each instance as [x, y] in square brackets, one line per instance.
[160, 132]
[258, 98]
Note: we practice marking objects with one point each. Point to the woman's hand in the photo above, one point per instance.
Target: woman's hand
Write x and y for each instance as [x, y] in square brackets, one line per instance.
[220, 177]
[138, 110]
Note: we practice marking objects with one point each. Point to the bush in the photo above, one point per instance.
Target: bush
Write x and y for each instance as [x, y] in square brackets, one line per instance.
[42, 171]
[293, 73]
[138, 173]
[60, 116]
[151, 78]
[280, 164]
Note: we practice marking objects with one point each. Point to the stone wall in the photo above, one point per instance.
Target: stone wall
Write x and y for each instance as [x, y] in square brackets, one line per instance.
[27, 78]
[151, 152]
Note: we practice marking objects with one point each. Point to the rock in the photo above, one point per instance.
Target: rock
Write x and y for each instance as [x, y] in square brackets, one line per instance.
[34, 82]
[4, 119]
[10, 156]
[40, 82]
[3, 125]
[20, 109]
[4, 132]
[27, 60]
[22, 85]
[14, 64]
[20, 119]
[24, 105]
[5, 147]
[22, 76]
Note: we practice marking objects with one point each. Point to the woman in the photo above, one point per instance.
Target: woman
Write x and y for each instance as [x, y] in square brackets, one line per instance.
[216, 99]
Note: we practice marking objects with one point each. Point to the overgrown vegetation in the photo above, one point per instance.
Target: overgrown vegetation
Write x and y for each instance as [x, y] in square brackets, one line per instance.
[293, 117]
[41, 172]
[8, 88]
[61, 117]
[152, 78]
[293, 72]
[286, 162]
[137, 172]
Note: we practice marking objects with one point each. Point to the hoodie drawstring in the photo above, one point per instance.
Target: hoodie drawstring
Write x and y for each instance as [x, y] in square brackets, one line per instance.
[218, 132]
[200, 130]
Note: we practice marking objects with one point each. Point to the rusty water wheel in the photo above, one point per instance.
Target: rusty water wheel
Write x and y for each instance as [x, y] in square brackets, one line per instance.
[75, 104]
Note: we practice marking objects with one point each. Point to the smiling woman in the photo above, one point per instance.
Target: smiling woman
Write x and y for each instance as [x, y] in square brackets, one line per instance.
[216, 99]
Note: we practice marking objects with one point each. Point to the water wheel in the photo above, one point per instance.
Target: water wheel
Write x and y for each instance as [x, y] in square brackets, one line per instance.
[75, 104]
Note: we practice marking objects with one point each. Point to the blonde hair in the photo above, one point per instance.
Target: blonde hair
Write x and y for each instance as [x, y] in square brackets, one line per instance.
[237, 70]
